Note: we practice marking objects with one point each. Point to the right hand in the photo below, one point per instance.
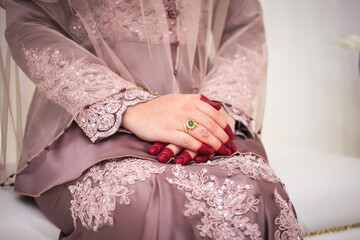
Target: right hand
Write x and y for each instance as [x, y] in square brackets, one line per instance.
[161, 120]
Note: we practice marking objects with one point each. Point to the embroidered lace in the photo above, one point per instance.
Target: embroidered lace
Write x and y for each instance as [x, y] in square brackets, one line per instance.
[238, 77]
[69, 82]
[103, 118]
[249, 164]
[288, 224]
[139, 22]
[222, 206]
[95, 197]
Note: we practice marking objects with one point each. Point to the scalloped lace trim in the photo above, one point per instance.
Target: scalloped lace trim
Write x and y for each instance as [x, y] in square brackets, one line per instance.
[103, 118]
[222, 206]
[288, 225]
[238, 76]
[69, 82]
[95, 197]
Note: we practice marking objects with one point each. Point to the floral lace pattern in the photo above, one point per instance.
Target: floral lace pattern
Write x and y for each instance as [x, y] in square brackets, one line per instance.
[95, 197]
[103, 118]
[237, 76]
[222, 206]
[249, 164]
[139, 20]
[288, 224]
[69, 82]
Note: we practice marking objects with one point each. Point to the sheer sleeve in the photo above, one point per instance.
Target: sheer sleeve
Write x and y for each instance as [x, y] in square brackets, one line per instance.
[66, 72]
[238, 73]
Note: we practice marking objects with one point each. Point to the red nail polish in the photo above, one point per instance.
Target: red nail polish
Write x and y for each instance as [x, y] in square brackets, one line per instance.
[230, 145]
[156, 148]
[215, 105]
[233, 147]
[205, 150]
[179, 160]
[229, 132]
[228, 152]
[165, 155]
[223, 150]
[186, 156]
[201, 158]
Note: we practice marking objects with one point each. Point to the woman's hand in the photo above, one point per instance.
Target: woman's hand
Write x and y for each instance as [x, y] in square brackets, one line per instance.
[164, 152]
[162, 120]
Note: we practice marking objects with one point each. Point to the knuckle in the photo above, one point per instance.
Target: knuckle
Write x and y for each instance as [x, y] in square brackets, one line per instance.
[204, 133]
[212, 125]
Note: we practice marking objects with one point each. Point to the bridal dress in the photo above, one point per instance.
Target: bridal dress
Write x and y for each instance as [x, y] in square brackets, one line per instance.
[90, 60]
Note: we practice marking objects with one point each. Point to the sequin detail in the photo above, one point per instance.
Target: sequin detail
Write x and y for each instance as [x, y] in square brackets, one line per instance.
[238, 77]
[288, 225]
[69, 82]
[95, 197]
[223, 207]
[249, 164]
[103, 118]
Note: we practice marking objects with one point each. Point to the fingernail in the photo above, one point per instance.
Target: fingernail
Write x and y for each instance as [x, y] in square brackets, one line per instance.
[183, 159]
[205, 150]
[230, 145]
[223, 150]
[165, 155]
[229, 132]
[215, 105]
[201, 158]
[154, 150]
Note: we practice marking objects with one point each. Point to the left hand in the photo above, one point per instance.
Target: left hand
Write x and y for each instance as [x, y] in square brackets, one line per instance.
[165, 152]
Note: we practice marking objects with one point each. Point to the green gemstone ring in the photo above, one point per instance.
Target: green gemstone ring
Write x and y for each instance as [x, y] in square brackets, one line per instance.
[190, 124]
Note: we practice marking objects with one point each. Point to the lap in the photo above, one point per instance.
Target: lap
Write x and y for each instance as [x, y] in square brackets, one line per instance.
[239, 197]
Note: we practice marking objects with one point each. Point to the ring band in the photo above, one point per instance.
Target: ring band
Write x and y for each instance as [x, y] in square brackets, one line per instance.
[189, 124]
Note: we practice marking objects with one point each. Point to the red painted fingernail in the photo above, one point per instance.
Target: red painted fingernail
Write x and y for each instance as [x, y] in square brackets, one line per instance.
[215, 105]
[230, 145]
[205, 150]
[223, 150]
[183, 159]
[165, 155]
[156, 148]
[233, 147]
[229, 132]
[201, 158]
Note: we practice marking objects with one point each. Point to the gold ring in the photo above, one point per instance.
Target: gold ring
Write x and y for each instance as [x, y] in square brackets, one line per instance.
[189, 124]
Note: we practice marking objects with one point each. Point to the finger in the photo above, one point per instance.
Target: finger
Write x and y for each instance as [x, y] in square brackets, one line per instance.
[167, 153]
[201, 158]
[203, 135]
[216, 116]
[156, 148]
[185, 157]
[203, 120]
[215, 105]
[186, 141]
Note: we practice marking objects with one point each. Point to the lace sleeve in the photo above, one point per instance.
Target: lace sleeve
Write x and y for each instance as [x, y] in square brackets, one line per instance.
[237, 76]
[103, 118]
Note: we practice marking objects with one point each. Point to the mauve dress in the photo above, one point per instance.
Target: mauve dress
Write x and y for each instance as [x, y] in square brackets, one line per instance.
[115, 189]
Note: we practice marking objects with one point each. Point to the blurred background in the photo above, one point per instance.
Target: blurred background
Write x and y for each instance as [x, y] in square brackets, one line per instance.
[313, 88]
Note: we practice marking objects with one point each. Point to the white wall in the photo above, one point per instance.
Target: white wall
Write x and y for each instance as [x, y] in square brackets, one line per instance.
[313, 90]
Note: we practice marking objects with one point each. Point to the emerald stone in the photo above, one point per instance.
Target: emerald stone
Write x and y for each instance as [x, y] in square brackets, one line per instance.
[191, 123]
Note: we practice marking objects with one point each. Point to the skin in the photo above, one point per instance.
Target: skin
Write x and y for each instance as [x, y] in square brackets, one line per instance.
[161, 120]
